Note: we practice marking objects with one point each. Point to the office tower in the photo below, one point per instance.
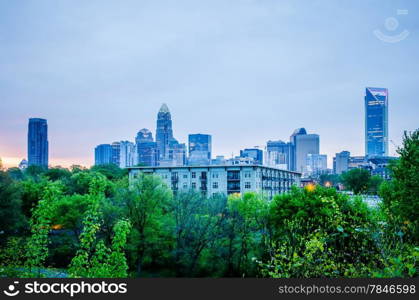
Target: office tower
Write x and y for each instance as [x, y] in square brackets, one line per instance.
[164, 132]
[147, 152]
[341, 162]
[116, 153]
[278, 154]
[253, 153]
[38, 142]
[176, 155]
[199, 149]
[127, 154]
[103, 154]
[303, 144]
[293, 141]
[316, 164]
[376, 122]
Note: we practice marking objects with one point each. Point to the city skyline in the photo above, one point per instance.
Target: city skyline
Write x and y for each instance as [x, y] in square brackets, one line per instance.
[244, 72]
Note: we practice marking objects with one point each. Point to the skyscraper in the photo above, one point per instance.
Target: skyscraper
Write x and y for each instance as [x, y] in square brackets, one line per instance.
[278, 154]
[316, 164]
[116, 153]
[341, 162]
[164, 132]
[103, 154]
[147, 152]
[376, 122]
[303, 144]
[38, 142]
[199, 149]
[127, 154]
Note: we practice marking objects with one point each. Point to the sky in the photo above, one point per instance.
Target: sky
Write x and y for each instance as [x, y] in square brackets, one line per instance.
[244, 71]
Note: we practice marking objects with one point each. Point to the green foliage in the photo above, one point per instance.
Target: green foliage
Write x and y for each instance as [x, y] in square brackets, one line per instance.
[401, 195]
[247, 232]
[11, 217]
[321, 233]
[198, 225]
[148, 206]
[40, 224]
[357, 180]
[111, 171]
[94, 258]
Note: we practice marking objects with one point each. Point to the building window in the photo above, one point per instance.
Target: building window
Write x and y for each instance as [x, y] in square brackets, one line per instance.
[185, 176]
[193, 175]
[247, 185]
[193, 185]
[185, 186]
[215, 185]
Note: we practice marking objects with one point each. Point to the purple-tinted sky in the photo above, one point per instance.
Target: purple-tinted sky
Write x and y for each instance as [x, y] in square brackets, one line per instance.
[245, 71]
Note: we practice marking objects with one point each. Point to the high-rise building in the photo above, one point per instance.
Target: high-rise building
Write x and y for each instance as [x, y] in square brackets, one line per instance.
[376, 122]
[38, 142]
[278, 154]
[164, 132]
[116, 153]
[170, 152]
[147, 152]
[316, 164]
[103, 154]
[303, 144]
[253, 153]
[341, 162]
[127, 154]
[199, 149]
[293, 142]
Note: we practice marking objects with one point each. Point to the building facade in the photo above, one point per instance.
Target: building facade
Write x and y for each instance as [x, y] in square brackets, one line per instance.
[341, 162]
[278, 154]
[103, 154]
[376, 122]
[147, 150]
[127, 154]
[38, 142]
[211, 180]
[316, 164]
[199, 149]
[303, 144]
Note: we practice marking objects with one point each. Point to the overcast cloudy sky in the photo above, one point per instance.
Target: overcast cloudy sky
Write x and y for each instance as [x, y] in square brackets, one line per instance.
[245, 71]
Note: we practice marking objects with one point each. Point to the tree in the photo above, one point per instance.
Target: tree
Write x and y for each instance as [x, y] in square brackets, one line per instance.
[198, 225]
[94, 258]
[247, 229]
[40, 223]
[319, 232]
[148, 209]
[401, 194]
[357, 180]
[11, 217]
[111, 171]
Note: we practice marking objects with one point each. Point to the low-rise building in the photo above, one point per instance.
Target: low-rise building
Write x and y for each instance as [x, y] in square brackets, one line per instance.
[214, 179]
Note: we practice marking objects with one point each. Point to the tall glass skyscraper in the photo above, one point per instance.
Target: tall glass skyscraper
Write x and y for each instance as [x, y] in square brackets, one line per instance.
[38, 142]
[146, 148]
[103, 154]
[302, 145]
[199, 149]
[376, 122]
[164, 132]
